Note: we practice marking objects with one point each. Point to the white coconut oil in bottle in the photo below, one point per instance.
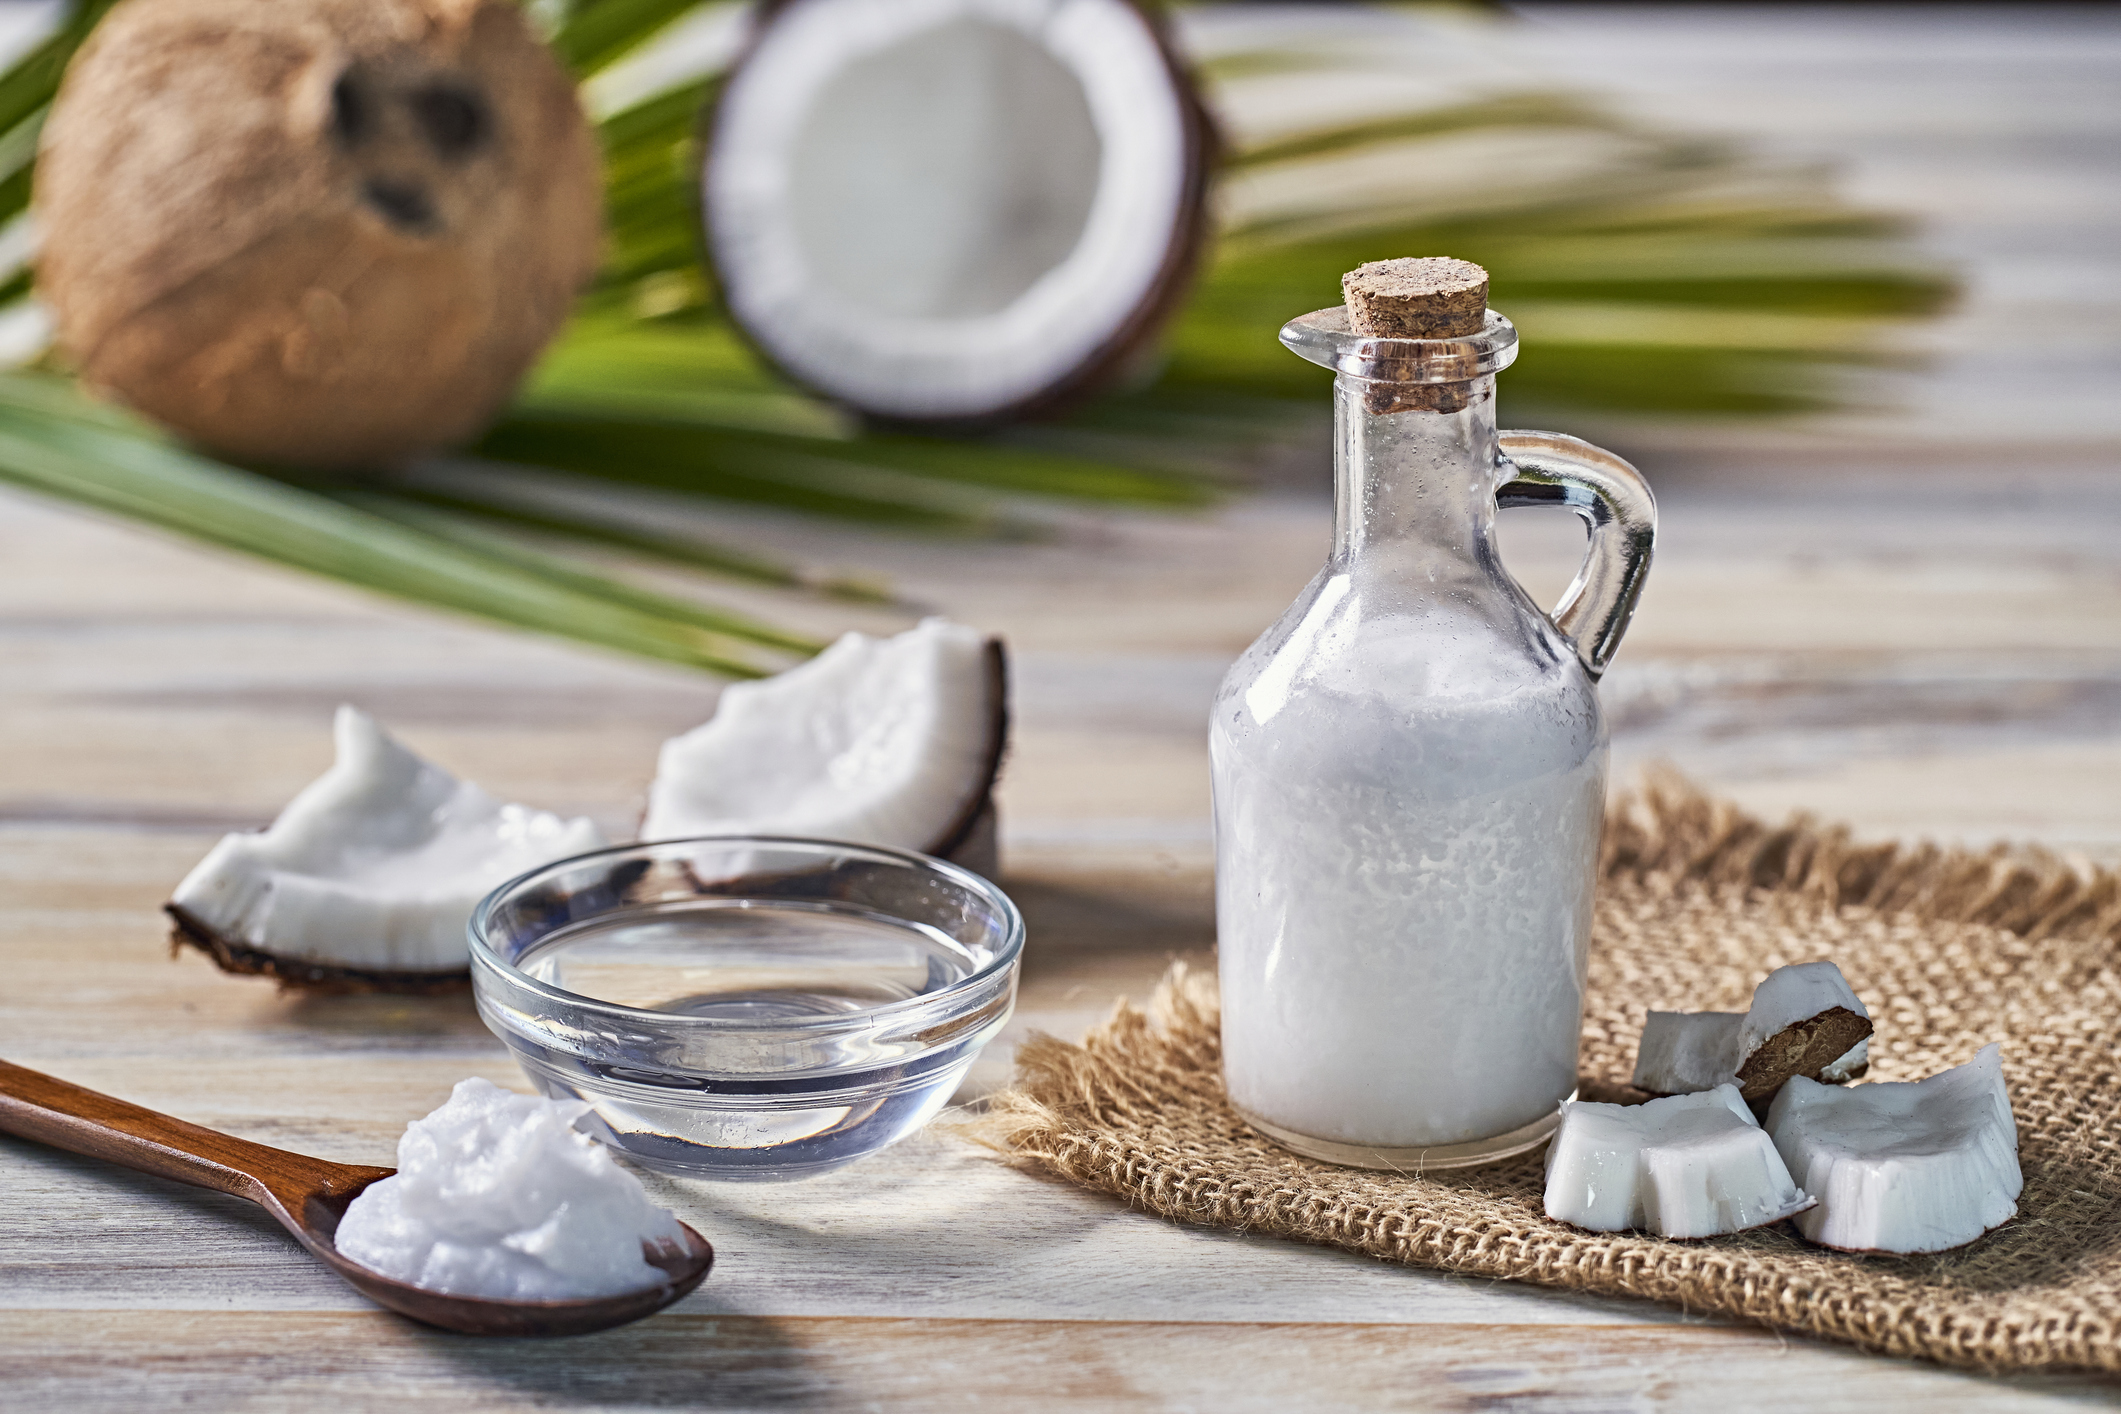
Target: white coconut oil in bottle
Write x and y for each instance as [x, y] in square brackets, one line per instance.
[1409, 771]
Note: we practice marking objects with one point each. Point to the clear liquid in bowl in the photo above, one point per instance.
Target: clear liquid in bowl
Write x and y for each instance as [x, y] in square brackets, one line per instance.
[732, 959]
[755, 1100]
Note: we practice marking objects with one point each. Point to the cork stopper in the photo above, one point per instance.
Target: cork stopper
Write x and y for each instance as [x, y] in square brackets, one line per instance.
[1416, 297]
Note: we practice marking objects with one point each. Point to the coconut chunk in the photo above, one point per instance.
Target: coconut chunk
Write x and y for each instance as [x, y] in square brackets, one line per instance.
[1805, 1020]
[1694, 1165]
[373, 868]
[892, 741]
[1683, 1052]
[1909, 1166]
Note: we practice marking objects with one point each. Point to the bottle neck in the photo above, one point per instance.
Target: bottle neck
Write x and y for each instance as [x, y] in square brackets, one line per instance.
[1417, 479]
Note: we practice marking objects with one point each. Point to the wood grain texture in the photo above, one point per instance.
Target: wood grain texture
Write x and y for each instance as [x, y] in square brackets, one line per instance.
[368, 1361]
[907, 1281]
[1920, 634]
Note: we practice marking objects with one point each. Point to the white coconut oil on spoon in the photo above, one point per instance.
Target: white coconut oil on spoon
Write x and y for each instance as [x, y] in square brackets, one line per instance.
[310, 1197]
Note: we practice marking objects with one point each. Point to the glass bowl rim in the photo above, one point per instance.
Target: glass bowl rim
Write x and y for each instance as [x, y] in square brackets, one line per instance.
[1006, 955]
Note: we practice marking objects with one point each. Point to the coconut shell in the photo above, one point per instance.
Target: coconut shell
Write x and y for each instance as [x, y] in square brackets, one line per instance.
[973, 839]
[323, 233]
[1805, 1049]
[1127, 352]
[973, 836]
[188, 930]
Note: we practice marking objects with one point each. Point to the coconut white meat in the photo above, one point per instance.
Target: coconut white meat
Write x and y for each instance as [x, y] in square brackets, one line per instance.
[1851, 1066]
[1804, 1020]
[376, 865]
[949, 209]
[1683, 1052]
[1685, 1166]
[884, 741]
[498, 1195]
[1908, 1166]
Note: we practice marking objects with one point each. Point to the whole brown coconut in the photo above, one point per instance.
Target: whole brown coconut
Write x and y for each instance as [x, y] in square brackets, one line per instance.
[325, 233]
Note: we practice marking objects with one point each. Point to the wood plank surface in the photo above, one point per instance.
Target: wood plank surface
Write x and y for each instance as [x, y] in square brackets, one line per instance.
[1913, 630]
[701, 1361]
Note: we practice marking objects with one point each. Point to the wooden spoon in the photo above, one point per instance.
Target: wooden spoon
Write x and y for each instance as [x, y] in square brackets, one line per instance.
[309, 1196]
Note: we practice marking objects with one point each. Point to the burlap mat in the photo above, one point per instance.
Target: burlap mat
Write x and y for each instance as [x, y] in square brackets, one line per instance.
[1950, 950]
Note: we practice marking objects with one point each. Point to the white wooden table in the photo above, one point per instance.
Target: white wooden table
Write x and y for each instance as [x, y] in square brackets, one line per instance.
[1918, 630]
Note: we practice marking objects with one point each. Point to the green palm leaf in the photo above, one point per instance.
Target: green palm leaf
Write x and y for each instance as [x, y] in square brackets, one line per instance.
[597, 32]
[500, 508]
[1651, 272]
[55, 442]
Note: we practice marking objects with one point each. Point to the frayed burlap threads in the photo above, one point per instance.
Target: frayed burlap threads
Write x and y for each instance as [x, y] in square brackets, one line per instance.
[1669, 828]
[1950, 949]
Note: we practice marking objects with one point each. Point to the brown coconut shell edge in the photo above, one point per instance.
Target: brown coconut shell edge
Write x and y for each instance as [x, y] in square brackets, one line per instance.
[1804, 1049]
[968, 840]
[971, 839]
[1114, 359]
[295, 974]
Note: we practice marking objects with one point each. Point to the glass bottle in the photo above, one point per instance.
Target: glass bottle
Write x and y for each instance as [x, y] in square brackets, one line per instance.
[1409, 773]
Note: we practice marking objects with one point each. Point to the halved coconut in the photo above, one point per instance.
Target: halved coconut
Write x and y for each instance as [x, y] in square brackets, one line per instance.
[1685, 1166]
[952, 210]
[1910, 1166]
[886, 741]
[1805, 1020]
[367, 879]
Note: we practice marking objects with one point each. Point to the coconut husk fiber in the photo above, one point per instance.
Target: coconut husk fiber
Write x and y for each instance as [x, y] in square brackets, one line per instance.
[1698, 900]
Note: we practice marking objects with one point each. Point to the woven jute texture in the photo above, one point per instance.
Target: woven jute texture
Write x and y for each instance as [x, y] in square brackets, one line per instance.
[1697, 901]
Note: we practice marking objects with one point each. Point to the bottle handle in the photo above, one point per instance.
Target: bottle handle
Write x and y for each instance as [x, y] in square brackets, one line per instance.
[1552, 469]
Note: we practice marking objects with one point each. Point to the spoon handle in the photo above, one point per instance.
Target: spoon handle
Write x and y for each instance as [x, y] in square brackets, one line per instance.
[66, 1116]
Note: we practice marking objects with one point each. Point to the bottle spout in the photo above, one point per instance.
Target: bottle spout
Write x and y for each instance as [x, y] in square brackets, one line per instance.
[1415, 330]
[1325, 337]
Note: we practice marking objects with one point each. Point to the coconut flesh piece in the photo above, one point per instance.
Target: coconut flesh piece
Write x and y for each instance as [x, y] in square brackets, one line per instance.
[370, 873]
[498, 1195]
[1907, 1166]
[1852, 1066]
[1693, 1165]
[1805, 1020]
[1684, 1052]
[892, 741]
[941, 210]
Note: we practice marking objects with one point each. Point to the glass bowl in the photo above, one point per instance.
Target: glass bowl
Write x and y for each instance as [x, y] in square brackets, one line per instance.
[747, 1008]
